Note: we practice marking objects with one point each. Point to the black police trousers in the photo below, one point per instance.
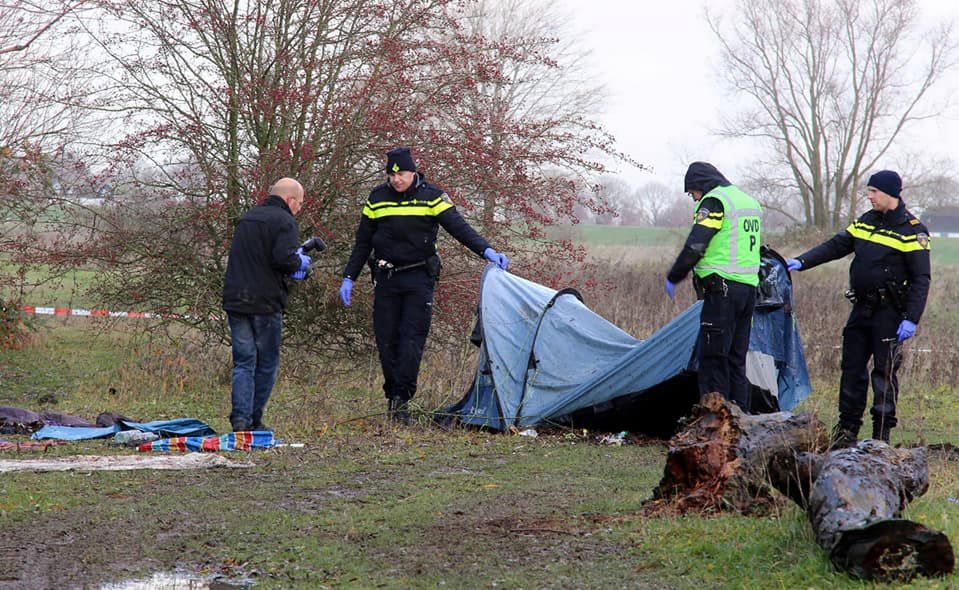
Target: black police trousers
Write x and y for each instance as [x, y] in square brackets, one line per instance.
[402, 311]
[869, 333]
[724, 325]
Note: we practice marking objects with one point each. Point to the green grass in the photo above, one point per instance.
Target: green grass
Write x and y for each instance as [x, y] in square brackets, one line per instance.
[37, 287]
[612, 235]
[366, 504]
[945, 251]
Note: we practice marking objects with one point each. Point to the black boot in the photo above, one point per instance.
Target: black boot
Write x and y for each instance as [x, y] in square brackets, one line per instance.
[398, 410]
[844, 436]
[239, 425]
[880, 431]
[260, 426]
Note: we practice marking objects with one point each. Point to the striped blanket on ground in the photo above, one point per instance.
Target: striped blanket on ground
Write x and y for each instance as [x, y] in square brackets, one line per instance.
[234, 441]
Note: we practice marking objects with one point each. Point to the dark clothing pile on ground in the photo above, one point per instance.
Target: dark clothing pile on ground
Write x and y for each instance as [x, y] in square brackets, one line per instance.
[20, 421]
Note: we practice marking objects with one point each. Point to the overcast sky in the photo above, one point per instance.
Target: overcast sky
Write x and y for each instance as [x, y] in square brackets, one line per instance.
[657, 61]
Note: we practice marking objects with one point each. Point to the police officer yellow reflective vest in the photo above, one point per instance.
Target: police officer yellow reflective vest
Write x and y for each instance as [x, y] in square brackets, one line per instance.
[733, 253]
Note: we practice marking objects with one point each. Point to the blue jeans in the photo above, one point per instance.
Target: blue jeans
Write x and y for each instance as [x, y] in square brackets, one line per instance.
[256, 360]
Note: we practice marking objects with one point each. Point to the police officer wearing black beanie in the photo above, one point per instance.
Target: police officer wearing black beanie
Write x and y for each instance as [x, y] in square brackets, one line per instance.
[397, 235]
[889, 280]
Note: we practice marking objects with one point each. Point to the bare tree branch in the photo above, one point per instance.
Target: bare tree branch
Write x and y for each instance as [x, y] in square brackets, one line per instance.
[830, 86]
[33, 30]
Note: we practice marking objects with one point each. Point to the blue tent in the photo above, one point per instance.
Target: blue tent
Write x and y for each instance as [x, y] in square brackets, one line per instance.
[547, 358]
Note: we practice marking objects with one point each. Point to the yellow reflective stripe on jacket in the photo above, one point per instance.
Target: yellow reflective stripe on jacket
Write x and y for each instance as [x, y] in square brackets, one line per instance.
[713, 220]
[884, 237]
[409, 208]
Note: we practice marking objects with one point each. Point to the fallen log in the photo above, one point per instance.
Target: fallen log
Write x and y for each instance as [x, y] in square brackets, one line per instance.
[720, 459]
[854, 498]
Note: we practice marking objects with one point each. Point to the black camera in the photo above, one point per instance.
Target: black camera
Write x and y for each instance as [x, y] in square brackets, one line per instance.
[314, 243]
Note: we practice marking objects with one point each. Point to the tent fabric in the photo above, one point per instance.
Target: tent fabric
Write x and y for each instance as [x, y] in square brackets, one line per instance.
[545, 356]
[233, 441]
[177, 427]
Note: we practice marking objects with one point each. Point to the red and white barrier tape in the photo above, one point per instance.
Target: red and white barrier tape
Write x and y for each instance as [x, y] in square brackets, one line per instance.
[96, 313]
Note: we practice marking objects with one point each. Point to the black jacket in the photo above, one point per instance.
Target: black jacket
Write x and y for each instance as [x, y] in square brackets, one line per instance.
[390, 233]
[891, 248]
[261, 256]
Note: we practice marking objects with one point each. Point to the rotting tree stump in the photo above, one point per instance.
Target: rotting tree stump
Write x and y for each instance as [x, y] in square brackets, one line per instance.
[720, 459]
[727, 460]
[854, 499]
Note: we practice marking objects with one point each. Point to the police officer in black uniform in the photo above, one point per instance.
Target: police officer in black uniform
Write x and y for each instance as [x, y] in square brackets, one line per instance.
[889, 279]
[398, 227]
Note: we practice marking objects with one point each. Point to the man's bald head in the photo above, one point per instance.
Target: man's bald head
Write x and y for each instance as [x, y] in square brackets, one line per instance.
[290, 191]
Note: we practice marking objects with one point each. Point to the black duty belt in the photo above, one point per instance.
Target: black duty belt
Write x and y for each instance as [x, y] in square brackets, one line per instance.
[388, 268]
[877, 298]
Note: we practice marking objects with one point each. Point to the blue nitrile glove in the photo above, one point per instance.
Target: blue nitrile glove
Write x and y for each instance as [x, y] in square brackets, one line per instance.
[496, 258]
[906, 330]
[298, 275]
[793, 264]
[670, 289]
[304, 260]
[345, 289]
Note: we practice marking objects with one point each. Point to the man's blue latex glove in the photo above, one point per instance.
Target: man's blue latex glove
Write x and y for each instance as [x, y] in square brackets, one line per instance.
[304, 260]
[345, 290]
[298, 275]
[906, 330]
[496, 258]
[793, 264]
[670, 289]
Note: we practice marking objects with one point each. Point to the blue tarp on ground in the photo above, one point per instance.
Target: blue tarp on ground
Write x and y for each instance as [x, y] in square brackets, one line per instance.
[178, 427]
[545, 356]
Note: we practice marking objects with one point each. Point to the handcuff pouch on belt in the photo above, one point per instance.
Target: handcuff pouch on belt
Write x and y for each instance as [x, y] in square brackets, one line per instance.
[892, 295]
[713, 283]
[380, 268]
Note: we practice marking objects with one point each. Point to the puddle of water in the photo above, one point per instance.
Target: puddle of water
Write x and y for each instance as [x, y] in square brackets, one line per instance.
[176, 581]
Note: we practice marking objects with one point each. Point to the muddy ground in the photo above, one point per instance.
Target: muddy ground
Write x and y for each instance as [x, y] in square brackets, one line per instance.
[373, 506]
[382, 509]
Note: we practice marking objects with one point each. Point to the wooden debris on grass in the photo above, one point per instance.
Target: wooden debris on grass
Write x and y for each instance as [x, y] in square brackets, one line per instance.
[727, 460]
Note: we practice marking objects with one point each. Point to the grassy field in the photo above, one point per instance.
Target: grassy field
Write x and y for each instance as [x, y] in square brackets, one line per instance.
[69, 291]
[613, 235]
[366, 504]
[369, 505]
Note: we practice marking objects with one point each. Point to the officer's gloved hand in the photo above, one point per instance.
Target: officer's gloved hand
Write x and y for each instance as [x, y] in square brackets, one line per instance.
[793, 264]
[906, 330]
[345, 290]
[298, 275]
[670, 289]
[496, 258]
[304, 260]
